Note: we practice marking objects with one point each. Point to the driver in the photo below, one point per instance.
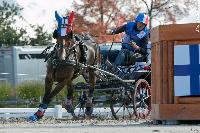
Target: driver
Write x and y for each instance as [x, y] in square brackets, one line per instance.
[135, 39]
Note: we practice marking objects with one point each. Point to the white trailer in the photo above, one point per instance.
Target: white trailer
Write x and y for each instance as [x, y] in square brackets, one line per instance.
[22, 63]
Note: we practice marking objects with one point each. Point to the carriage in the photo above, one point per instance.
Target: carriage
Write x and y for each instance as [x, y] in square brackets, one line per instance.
[126, 87]
[128, 84]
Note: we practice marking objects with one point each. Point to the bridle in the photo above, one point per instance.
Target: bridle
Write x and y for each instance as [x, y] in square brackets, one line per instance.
[71, 49]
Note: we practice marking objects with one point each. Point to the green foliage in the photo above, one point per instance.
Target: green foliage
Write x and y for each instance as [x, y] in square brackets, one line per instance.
[79, 79]
[11, 35]
[30, 90]
[61, 95]
[9, 13]
[42, 37]
[5, 92]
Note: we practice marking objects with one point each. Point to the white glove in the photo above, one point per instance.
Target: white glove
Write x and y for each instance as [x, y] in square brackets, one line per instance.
[135, 46]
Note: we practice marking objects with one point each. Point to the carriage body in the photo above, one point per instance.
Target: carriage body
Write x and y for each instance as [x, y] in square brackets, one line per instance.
[135, 96]
[139, 70]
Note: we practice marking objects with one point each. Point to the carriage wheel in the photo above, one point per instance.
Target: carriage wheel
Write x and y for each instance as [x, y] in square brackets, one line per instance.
[142, 99]
[121, 104]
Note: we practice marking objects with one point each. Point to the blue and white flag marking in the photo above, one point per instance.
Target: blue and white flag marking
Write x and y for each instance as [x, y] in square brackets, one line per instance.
[187, 70]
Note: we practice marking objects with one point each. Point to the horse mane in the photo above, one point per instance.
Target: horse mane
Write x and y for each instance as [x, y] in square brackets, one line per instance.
[86, 37]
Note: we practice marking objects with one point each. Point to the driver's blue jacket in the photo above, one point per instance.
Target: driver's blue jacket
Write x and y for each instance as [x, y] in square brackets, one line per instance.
[133, 35]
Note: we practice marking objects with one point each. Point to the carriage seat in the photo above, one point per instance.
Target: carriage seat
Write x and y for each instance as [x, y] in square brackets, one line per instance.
[132, 59]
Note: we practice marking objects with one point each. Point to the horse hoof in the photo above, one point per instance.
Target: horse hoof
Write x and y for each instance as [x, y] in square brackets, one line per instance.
[75, 117]
[33, 118]
[88, 111]
[38, 115]
[68, 106]
[69, 109]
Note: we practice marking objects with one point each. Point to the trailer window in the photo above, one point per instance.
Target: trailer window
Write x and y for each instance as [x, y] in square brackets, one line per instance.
[30, 56]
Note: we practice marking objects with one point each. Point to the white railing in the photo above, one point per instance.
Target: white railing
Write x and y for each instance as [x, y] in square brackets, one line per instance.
[56, 112]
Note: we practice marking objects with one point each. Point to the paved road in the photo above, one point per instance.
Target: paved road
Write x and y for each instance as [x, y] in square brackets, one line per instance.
[91, 126]
[99, 129]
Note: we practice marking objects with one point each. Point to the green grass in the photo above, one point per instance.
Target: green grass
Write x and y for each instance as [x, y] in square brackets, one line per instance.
[6, 92]
[79, 79]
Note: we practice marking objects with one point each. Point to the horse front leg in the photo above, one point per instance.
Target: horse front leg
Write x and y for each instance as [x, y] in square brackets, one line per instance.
[57, 89]
[89, 102]
[68, 104]
[48, 88]
[46, 100]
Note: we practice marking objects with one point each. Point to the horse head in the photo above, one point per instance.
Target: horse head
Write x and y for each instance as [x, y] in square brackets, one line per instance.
[64, 34]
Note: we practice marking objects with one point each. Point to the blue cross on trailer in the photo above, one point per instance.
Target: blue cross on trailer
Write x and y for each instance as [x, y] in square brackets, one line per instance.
[187, 70]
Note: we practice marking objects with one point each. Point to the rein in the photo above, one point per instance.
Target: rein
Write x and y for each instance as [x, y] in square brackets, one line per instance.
[70, 50]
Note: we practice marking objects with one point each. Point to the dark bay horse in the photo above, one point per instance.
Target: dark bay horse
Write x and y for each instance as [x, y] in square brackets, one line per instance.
[63, 68]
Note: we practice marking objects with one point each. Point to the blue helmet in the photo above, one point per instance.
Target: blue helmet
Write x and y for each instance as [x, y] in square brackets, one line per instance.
[143, 18]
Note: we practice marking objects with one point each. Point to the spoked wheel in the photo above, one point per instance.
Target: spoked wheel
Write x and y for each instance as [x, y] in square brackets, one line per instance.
[122, 104]
[142, 99]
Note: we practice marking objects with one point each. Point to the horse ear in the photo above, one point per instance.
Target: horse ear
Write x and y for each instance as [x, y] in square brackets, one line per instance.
[70, 21]
[71, 17]
[58, 17]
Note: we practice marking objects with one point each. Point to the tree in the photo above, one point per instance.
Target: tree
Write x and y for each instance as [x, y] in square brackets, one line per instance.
[165, 10]
[96, 16]
[106, 13]
[9, 34]
[41, 36]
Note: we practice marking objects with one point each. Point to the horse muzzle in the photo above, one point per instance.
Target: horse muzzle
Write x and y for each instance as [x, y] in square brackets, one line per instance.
[61, 52]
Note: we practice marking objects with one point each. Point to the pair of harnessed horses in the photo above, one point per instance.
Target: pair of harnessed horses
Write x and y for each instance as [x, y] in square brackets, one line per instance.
[67, 54]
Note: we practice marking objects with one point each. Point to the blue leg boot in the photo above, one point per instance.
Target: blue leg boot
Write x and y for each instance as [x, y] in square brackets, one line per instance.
[40, 113]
